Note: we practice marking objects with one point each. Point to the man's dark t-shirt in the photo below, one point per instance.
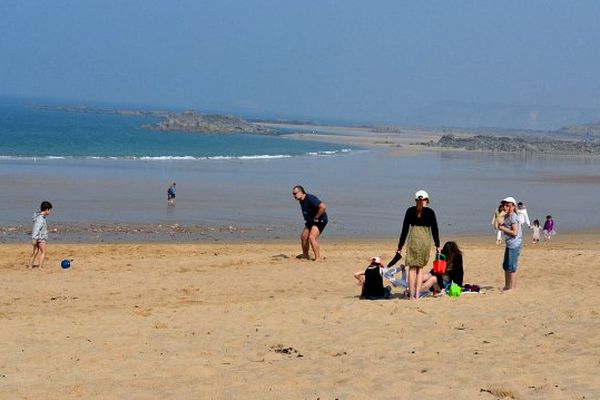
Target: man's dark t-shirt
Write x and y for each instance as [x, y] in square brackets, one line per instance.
[310, 207]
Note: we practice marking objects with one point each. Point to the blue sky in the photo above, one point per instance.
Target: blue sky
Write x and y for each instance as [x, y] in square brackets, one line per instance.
[349, 60]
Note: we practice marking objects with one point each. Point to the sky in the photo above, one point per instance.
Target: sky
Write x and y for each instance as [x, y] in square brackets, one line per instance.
[350, 60]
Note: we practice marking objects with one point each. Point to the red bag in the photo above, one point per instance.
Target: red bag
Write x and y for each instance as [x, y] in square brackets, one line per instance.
[439, 265]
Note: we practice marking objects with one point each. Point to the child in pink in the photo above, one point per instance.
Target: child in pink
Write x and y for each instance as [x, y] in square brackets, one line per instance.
[548, 228]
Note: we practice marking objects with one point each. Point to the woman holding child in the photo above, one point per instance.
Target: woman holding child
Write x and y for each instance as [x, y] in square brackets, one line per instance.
[419, 226]
[511, 228]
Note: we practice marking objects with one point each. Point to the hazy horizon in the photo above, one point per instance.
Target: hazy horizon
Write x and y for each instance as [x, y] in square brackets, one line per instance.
[527, 65]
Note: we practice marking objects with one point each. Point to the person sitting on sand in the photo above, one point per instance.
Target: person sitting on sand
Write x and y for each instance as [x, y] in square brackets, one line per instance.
[371, 281]
[39, 234]
[315, 220]
[454, 269]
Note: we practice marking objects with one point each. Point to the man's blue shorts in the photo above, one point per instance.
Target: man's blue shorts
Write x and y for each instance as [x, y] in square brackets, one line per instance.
[511, 259]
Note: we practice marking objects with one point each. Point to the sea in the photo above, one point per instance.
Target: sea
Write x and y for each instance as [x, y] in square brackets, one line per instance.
[34, 131]
[106, 168]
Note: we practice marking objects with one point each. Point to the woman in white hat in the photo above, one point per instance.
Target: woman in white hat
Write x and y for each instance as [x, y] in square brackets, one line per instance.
[419, 226]
[511, 228]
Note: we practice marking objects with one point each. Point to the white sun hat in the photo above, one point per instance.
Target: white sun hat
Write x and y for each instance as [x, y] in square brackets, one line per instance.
[422, 194]
[510, 200]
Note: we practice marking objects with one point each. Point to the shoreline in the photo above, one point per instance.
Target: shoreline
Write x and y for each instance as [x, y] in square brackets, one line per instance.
[172, 234]
[406, 141]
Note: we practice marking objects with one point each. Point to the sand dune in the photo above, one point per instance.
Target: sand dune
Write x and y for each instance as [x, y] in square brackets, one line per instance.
[248, 320]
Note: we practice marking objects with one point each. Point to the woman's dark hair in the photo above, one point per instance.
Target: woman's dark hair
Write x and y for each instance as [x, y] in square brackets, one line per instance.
[45, 206]
[451, 250]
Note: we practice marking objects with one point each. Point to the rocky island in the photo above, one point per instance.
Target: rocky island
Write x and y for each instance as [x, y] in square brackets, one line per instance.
[191, 121]
[187, 121]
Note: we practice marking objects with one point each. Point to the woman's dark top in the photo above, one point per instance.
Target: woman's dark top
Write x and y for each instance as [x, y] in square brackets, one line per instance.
[427, 219]
[373, 286]
[454, 272]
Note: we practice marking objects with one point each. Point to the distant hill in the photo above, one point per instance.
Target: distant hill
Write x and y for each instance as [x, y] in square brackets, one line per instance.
[583, 131]
[486, 115]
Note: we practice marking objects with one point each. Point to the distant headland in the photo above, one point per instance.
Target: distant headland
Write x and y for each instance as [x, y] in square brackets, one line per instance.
[187, 121]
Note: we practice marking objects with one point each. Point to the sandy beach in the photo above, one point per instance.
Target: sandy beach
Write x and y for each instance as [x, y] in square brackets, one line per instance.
[403, 141]
[248, 320]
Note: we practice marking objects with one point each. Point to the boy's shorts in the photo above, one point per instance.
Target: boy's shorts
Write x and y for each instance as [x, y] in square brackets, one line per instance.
[511, 259]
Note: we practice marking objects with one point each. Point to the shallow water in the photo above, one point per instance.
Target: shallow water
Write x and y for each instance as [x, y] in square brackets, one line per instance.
[366, 192]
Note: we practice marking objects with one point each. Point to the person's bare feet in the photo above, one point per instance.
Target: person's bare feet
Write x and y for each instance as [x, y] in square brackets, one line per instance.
[302, 257]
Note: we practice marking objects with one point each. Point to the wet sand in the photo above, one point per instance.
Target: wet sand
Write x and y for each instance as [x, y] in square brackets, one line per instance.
[248, 320]
[404, 141]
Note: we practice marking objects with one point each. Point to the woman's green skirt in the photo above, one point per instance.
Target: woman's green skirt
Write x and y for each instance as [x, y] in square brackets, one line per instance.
[418, 246]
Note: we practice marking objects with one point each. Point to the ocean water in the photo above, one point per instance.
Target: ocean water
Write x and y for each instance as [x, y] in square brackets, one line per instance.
[366, 191]
[30, 132]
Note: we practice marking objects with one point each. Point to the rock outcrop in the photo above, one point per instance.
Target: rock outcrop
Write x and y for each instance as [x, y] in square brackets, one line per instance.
[190, 121]
[518, 144]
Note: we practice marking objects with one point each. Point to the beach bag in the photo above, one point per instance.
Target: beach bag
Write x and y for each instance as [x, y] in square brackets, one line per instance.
[439, 264]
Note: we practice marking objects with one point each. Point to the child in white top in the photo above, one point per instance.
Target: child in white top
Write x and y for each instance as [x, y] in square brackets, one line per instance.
[39, 235]
[536, 231]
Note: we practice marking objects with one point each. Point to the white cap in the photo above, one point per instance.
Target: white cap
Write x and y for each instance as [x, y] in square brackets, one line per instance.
[376, 260]
[422, 194]
[510, 200]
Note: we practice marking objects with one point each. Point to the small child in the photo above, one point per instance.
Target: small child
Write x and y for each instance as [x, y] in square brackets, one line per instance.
[39, 234]
[371, 281]
[548, 228]
[171, 191]
[536, 231]
[497, 220]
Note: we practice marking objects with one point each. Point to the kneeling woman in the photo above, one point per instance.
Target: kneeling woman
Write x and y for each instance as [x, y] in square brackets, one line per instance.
[454, 269]
[419, 226]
